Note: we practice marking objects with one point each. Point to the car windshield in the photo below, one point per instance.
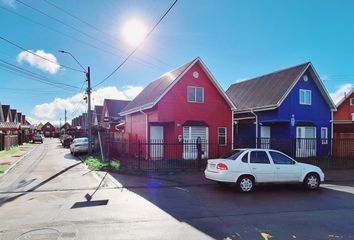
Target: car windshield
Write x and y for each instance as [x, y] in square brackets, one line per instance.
[81, 140]
[235, 154]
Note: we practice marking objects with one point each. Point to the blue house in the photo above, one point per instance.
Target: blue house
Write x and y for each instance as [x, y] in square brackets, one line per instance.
[289, 110]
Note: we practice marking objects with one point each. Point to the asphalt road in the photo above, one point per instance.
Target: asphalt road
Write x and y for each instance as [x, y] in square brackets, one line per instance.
[43, 197]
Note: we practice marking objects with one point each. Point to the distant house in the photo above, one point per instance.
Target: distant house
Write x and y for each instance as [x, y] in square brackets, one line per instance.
[179, 107]
[344, 116]
[7, 113]
[97, 115]
[14, 116]
[48, 130]
[110, 117]
[2, 119]
[65, 127]
[275, 109]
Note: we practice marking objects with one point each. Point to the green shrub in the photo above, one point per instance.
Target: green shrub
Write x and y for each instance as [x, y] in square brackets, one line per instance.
[12, 150]
[2, 169]
[95, 163]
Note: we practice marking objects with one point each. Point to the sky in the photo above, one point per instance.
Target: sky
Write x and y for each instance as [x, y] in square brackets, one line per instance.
[236, 39]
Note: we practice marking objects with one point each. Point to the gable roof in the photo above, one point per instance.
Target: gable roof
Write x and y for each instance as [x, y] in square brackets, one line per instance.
[269, 91]
[153, 92]
[14, 115]
[346, 96]
[114, 106]
[6, 110]
[47, 124]
[1, 114]
[98, 111]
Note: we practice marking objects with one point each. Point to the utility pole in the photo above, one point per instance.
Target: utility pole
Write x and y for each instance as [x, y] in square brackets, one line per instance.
[65, 121]
[88, 77]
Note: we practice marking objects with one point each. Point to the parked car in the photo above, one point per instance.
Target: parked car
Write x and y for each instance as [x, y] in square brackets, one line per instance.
[37, 138]
[248, 167]
[79, 145]
[66, 140]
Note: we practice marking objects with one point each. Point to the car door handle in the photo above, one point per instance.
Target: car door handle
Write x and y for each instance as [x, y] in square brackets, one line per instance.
[278, 168]
[254, 168]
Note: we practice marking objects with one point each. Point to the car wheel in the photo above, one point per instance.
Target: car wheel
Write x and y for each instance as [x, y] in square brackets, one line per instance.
[312, 181]
[245, 184]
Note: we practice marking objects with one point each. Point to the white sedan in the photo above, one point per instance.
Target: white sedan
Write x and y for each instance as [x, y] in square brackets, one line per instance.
[248, 167]
[79, 145]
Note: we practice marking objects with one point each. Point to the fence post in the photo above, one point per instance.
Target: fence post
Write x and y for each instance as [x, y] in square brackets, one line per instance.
[139, 154]
[199, 153]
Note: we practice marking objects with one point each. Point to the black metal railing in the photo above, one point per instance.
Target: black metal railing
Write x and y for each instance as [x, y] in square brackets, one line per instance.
[172, 155]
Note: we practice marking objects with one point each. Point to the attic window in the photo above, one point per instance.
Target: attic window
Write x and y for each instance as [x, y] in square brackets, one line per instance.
[352, 102]
[196, 94]
[305, 97]
[306, 78]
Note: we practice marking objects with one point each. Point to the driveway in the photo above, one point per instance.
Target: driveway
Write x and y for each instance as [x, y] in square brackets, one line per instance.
[43, 197]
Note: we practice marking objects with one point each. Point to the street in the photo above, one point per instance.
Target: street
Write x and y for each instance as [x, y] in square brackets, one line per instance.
[43, 197]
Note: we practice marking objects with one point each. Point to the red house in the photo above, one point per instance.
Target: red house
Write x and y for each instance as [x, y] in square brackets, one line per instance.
[344, 117]
[178, 107]
[48, 130]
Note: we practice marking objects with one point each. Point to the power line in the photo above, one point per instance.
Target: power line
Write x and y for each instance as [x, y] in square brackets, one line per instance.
[136, 48]
[46, 59]
[37, 77]
[137, 60]
[95, 28]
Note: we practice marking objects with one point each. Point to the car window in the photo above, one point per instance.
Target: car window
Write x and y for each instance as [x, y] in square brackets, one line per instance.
[259, 157]
[245, 158]
[235, 155]
[279, 158]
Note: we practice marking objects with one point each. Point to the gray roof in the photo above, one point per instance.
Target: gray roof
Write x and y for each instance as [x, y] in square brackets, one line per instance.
[114, 106]
[269, 90]
[156, 88]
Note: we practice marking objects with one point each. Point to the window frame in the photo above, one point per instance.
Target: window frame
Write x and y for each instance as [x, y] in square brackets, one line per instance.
[324, 140]
[195, 94]
[254, 151]
[292, 161]
[304, 92]
[353, 117]
[351, 101]
[225, 136]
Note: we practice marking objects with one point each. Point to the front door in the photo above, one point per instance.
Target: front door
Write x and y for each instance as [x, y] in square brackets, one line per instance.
[305, 142]
[190, 135]
[265, 137]
[156, 142]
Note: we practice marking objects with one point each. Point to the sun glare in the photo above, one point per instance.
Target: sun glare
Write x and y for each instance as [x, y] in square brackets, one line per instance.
[134, 32]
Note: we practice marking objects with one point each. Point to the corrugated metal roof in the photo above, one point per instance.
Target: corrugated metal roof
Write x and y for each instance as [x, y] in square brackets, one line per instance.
[266, 90]
[156, 88]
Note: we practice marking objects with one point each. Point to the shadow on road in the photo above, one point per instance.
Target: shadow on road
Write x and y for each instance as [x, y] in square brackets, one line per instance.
[224, 213]
[10, 199]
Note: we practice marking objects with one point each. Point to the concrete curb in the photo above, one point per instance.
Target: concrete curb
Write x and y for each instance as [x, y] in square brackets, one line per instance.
[20, 159]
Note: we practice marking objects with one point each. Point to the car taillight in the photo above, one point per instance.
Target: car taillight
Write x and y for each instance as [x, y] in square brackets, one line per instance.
[222, 166]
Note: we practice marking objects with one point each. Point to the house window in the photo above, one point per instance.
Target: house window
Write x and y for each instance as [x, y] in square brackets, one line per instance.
[196, 94]
[351, 101]
[222, 135]
[352, 116]
[324, 135]
[305, 97]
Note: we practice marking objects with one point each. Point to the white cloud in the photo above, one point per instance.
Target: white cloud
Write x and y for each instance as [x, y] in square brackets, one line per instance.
[48, 66]
[10, 3]
[74, 106]
[338, 94]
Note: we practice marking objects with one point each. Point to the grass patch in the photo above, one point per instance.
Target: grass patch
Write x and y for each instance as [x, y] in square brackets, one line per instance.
[2, 168]
[95, 163]
[12, 150]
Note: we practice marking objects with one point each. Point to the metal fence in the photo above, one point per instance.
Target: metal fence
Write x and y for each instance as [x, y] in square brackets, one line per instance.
[158, 155]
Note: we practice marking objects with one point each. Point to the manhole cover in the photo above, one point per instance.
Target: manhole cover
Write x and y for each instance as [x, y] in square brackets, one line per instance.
[40, 234]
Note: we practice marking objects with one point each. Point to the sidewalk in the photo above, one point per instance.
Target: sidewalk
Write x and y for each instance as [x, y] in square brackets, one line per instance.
[7, 158]
[197, 179]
